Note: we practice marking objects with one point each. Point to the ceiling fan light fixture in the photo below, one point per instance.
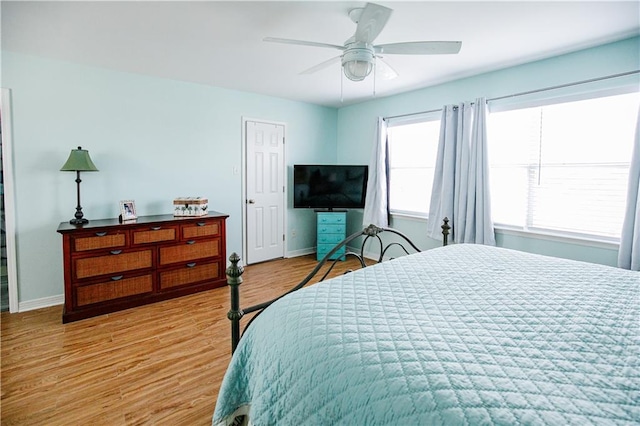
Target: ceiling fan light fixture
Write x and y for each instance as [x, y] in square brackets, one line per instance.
[357, 63]
[359, 53]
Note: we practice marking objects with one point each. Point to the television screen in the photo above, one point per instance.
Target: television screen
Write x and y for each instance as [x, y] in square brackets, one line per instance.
[329, 187]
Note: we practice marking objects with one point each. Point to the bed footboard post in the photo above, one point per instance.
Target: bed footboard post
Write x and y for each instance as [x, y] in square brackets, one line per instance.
[445, 231]
[234, 279]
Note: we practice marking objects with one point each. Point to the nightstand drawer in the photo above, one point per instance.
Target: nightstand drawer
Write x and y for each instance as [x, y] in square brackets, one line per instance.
[154, 234]
[190, 251]
[115, 288]
[190, 273]
[115, 262]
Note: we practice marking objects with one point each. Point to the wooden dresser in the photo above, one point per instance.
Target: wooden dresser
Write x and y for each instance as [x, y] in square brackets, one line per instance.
[110, 266]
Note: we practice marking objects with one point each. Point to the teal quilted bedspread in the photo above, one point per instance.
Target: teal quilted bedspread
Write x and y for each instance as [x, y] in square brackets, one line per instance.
[459, 335]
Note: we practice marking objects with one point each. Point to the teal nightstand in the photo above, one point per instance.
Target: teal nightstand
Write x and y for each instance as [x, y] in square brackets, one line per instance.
[331, 229]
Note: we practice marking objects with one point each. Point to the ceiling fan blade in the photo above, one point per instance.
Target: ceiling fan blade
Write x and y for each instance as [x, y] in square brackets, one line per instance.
[373, 19]
[302, 42]
[384, 70]
[420, 47]
[322, 65]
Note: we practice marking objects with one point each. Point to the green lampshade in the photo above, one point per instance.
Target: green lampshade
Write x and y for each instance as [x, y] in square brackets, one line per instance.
[79, 161]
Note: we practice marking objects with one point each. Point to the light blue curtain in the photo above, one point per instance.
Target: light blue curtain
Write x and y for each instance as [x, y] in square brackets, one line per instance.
[376, 208]
[461, 180]
[629, 252]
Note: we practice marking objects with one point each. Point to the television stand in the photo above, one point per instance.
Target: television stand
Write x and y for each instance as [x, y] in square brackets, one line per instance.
[331, 227]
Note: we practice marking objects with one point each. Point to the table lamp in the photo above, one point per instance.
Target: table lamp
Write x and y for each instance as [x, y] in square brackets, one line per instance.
[79, 161]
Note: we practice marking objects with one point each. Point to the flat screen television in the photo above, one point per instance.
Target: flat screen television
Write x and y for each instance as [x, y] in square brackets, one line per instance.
[329, 186]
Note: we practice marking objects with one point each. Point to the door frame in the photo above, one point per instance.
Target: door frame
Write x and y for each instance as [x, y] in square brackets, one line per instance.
[9, 198]
[243, 175]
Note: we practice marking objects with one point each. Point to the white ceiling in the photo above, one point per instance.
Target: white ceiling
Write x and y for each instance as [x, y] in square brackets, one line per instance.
[220, 43]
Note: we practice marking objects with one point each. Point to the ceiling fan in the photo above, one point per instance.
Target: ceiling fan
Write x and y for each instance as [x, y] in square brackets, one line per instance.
[360, 55]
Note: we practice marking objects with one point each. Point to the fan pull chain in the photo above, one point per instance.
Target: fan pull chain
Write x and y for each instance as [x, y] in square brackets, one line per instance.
[375, 67]
[341, 86]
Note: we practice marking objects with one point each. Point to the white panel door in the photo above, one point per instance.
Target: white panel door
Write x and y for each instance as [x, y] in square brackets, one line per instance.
[265, 191]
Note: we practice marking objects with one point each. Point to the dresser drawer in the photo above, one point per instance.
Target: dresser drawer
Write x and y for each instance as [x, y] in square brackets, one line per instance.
[203, 228]
[190, 251]
[115, 262]
[323, 249]
[154, 234]
[189, 274]
[115, 288]
[98, 240]
[332, 229]
[332, 218]
[331, 239]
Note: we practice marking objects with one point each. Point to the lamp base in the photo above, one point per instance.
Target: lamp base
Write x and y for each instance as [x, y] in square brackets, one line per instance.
[78, 221]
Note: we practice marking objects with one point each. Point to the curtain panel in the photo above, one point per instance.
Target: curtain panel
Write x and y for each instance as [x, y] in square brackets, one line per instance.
[461, 181]
[629, 252]
[376, 208]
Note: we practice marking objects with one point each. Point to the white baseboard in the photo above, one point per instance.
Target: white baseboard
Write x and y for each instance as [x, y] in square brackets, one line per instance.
[301, 252]
[312, 250]
[45, 302]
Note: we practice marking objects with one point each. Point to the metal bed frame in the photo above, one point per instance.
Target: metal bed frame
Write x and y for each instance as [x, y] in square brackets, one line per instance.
[235, 271]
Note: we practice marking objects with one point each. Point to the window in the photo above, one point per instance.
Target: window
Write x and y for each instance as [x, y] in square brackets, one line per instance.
[413, 147]
[563, 167]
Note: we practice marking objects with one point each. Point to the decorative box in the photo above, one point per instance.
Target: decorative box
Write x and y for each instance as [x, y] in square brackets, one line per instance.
[190, 206]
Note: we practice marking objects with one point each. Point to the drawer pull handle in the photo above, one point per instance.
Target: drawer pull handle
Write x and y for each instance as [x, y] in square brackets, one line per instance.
[116, 251]
[191, 242]
[156, 228]
[191, 265]
[201, 223]
[100, 234]
[117, 278]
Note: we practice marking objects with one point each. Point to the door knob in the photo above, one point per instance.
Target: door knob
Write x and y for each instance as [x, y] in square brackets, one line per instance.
[252, 201]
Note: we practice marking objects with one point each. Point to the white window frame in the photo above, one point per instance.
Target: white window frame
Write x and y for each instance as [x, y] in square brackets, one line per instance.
[404, 121]
[508, 104]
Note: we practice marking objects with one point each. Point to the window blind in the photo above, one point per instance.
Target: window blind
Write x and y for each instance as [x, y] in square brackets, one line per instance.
[563, 167]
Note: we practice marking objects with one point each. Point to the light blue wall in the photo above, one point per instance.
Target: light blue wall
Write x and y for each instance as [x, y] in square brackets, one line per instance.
[152, 140]
[155, 139]
[356, 124]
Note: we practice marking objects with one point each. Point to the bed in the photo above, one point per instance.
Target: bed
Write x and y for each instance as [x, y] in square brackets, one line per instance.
[461, 334]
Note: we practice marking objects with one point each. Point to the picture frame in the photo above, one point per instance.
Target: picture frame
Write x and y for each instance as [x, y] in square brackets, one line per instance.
[128, 210]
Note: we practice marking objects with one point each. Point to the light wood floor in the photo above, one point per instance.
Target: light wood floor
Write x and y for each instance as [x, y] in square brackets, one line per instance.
[159, 364]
